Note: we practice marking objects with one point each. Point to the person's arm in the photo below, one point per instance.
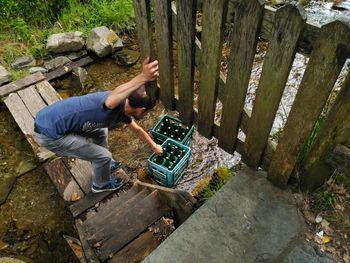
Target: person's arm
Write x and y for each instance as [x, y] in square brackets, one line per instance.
[149, 73]
[143, 135]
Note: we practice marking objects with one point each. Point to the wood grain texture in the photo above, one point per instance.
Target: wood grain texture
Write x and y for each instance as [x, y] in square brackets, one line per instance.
[243, 39]
[327, 59]
[47, 92]
[144, 31]
[289, 23]
[81, 171]
[214, 13]
[137, 250]
[186, 20]
[62, 179]
[163, 29]
[32, 100]
[128, 224]
[21, 83]
[89, 253]
[335, 130]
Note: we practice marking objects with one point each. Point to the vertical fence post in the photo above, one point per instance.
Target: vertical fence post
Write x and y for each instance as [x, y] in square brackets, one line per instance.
[288, 25]
[336, 130]
[186, 31]
[144, 31]
[243, 39]
[214, 16]
[163, 28]
[326, 61]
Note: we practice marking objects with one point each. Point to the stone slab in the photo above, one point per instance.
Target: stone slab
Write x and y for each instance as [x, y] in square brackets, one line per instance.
[246, 220]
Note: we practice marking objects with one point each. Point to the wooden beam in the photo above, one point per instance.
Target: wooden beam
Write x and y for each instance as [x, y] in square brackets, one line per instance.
[32, 100]
[243, 40]
[47, 92]
[326, 61]
[144, 31]
[289, 23]
[163, 29]
[185, 35]
[21, 83]
[213, 20]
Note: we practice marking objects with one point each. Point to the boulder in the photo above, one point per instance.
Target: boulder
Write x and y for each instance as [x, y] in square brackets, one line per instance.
[37, 69]
[126, 57]
[103, 41]
[5, 76]
[77, 55]
[6, 183]
[80, 79]
[23, 62]
[56, 63]
[65, 42]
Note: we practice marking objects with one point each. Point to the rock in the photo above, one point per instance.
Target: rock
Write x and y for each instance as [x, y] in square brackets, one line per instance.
[10, 260]
[6, 183]
[5, 76]
[103, 41]
[126, 58]
[77, 55]
[37, 69]
[56, 62]
[65, 42]
[80, 79]
[23, 62]
[25, 167]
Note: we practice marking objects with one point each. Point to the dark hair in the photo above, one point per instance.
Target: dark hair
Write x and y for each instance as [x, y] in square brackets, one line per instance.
[140, 99]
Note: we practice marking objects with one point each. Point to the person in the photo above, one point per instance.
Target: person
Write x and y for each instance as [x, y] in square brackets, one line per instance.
[78, 126]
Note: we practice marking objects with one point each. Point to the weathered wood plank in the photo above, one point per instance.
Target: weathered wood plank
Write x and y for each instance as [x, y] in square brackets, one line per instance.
[289, 23]
[335, 130]
[340, 159]
[90, 255]
[214, 13]
[185, 35]
[163, 28]
[128, 225]
[32, 100]
[326, 61]
[68, 68]
[244, 37]
[21, 83]
[110, 210]
[144, 31]
[64, 182]
[81, 171]
[47, 92]
[137, 250]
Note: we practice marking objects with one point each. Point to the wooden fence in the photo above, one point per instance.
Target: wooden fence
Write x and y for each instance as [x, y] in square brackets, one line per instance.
[287, 33]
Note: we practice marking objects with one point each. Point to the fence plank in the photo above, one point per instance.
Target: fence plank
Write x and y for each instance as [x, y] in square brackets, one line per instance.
[21, 83]
[186, 24]
[32, 100]
[244, 36]
[214, 13]
[144, 31]
[335, 130]
[289, 23]
[48, 93]
[326, 61]
[163, 28]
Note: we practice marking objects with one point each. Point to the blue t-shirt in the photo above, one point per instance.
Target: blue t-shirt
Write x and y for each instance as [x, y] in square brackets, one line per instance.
[79, 114]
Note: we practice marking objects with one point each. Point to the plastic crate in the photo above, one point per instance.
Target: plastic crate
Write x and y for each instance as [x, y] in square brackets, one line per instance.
[172, 128]
[168, 168]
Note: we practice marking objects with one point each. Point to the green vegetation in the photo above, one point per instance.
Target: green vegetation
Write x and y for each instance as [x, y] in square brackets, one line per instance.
[26, 25]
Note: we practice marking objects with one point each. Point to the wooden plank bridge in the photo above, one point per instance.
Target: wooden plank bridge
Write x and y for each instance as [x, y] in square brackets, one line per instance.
[112, 226]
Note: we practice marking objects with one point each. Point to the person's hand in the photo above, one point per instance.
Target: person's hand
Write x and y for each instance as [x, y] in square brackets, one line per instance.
[150, 70]
[157, 149]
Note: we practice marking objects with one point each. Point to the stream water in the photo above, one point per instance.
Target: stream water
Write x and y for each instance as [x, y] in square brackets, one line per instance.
[34, 218]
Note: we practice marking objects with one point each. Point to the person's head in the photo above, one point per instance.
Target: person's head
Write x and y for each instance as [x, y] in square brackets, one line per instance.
[138, 103]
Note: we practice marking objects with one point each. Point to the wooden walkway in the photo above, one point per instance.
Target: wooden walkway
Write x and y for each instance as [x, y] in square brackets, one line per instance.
[112, 226]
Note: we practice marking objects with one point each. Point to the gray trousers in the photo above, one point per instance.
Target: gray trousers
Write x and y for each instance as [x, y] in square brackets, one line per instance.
[89, 146]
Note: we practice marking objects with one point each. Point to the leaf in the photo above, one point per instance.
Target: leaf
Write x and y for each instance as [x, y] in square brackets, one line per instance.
[326, 239]
[339, 207]
[65, 68]
[75, 197]
[326, 228]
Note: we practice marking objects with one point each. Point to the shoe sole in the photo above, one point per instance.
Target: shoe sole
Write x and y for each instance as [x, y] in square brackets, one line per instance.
[106, 190]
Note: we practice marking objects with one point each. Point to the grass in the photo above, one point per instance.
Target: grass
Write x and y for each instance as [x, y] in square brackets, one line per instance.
[26, 25]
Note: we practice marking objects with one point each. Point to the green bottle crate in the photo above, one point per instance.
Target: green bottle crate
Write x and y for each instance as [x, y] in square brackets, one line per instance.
[168, 168]
[172, 128]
